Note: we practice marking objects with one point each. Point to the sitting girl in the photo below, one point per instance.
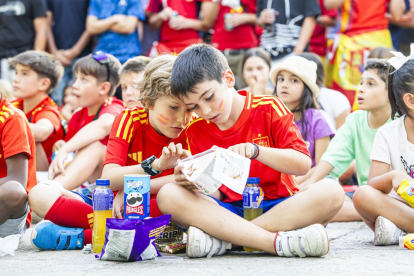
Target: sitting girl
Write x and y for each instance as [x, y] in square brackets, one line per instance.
[295, 84]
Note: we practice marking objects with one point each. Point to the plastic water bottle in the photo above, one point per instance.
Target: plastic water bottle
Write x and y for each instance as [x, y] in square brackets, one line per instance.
[252, 202]
[102, 198]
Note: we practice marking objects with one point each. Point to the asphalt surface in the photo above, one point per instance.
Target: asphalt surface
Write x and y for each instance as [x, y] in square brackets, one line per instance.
[351, 253]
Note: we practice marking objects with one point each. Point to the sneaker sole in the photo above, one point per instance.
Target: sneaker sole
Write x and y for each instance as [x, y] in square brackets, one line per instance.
[34, 234]
[191, 233]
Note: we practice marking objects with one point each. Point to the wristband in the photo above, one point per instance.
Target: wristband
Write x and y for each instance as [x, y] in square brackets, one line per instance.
[256, 151]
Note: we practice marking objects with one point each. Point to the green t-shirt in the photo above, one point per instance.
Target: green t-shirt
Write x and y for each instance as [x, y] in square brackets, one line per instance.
[354, 140]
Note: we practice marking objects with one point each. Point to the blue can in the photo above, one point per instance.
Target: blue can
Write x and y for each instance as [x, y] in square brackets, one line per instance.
[137, 196]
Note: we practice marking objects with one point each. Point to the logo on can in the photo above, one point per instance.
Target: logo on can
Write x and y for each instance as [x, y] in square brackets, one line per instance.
[136, 196]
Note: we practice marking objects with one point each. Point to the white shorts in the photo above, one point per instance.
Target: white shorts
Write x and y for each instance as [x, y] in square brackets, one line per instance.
[14, 226]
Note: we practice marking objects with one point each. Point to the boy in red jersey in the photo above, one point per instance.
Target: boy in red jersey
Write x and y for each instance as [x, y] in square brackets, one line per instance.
[136, 136]
[96, 81]
[17, 169]
[37, 73]
[257, 127]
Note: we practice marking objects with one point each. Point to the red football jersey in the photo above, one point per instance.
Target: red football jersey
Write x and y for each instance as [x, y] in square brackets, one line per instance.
[133, 139]
[16, 137]
[81, 118]
[266, 121]
[46, 109]
[241, 37]
[185, 8]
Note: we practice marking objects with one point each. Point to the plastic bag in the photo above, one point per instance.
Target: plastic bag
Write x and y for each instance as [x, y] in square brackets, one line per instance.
[132, 240]
[9, 244]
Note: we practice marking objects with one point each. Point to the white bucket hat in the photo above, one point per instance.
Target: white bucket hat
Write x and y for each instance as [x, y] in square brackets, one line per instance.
[302, 68]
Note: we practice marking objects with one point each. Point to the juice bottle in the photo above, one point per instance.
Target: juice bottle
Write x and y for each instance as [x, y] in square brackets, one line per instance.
[406, 191]
[102, 198]
[407, 241]
[252, 199]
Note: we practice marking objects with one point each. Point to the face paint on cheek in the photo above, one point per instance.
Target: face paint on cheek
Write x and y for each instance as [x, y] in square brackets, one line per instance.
[162, 119]
[221, 105]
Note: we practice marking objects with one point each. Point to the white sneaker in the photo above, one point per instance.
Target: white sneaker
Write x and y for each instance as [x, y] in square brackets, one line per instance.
[200, 244]
[386, 232]
[310, 241]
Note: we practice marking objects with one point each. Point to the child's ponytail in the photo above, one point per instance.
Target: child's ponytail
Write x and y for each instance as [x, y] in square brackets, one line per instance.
[391, 96]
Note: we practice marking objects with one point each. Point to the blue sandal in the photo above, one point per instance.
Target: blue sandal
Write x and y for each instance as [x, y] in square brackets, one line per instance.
[49, 236]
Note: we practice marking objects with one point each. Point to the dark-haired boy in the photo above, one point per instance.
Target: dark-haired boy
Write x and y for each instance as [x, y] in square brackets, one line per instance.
[37, 74]
[17, 169]
[96, 81]
[354, 140]
[258, 127]
[130, 74]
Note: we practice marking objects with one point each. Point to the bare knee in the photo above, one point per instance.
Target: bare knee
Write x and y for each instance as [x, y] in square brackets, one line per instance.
[14, 196]
[363, 195]
[332, 192]
[168, 197]
[94, 150]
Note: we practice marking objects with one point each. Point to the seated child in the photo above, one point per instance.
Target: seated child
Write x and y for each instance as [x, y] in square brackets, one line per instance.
[380, 207]
[17, 169]
[256, 68]
[96, 81]
[37, 73]
[295, 84]
[70, 102]
[355, 138]
[136, 135]
[130, 74]
[256, 127]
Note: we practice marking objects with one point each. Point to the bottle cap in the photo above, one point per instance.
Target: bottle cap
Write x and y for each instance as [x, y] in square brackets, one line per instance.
[253, 180]
[102, 182]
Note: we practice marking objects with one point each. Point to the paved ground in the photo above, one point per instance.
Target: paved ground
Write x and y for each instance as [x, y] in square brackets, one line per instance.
[352, 253]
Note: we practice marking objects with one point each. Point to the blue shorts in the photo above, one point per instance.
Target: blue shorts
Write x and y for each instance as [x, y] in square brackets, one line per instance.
[350, 194]
[237, 206]
[87, 199]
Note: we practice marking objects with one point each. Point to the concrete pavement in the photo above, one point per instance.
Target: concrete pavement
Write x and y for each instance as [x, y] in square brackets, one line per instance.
[351, 253]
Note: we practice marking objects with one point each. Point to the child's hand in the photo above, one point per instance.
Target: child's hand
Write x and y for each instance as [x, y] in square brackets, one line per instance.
[180, 178]
[58, 163]
[179, 23]
[58, 145]
[118, 205]
[267, 16]
[397, 177]
[166, 14]
[244, 149]
[169, 156]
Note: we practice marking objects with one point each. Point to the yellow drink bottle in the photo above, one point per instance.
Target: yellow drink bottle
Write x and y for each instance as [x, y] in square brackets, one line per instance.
[252, 199]
[102, 198]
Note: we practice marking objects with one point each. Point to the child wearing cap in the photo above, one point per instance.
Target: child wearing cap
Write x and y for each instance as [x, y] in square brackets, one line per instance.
[295, 84]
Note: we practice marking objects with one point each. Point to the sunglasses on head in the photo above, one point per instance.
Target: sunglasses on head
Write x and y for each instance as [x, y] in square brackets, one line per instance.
[103, 59]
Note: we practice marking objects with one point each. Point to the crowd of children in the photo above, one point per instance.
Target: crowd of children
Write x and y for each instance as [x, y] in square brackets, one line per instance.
[300, 137]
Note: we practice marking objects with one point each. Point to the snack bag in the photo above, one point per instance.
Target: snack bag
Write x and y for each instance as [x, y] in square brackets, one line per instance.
[407, 241]
[132, 240]
[406, 191]
[171, 240]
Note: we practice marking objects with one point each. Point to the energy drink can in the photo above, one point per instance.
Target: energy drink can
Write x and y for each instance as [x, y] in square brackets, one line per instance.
[136, 196]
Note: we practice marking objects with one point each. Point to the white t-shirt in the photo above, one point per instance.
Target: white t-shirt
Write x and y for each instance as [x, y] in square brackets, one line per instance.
[333, 102]
[392, 147]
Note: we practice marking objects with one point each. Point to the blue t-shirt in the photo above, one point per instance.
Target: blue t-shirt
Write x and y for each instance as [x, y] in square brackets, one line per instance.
[122, 46]
[72, 13]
